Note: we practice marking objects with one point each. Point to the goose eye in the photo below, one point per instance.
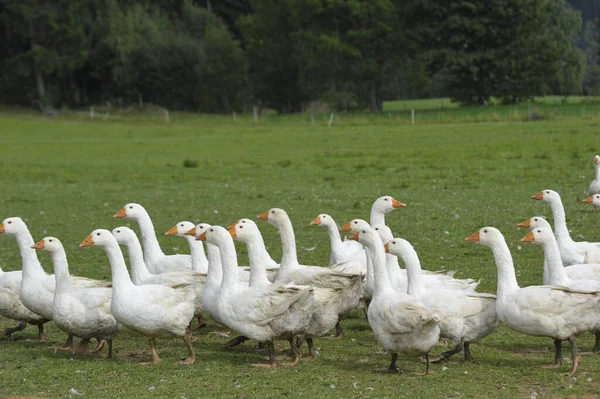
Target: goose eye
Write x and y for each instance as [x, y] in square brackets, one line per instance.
[385, 199]
[241, 227]
[272, 211]
[393, 242]
[547, 192]
[9, 222]
[97, 234]
[485, 231]
[131, 207]
[377, 228]
[211, 230]
[50, 240]
[355, 222]
[181, 224]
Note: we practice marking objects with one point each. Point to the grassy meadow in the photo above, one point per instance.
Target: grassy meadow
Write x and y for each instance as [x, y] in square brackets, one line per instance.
[68, 175]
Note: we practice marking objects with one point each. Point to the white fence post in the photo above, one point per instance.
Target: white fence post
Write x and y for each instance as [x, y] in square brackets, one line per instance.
[167, 119]
[255, 113]
[92, 112]
[412, 117]
[234, 116]
[330, 120]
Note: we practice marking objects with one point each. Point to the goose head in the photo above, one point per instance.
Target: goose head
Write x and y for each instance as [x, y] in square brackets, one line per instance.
[488, 236]
[534, 222]
[354, 225]
[596, 159]
[242, 221]
[123, 234]
[367, 237]
[180, 228]
[276, 216]
[539, 236]
[384, 232]
[215, 235]
[386, 204]
[244, 231]
[594, 200]
[197, 230]
[323, 220]
[13, 226]
[100, 238]
[131, 211]
[549, 196]
[398, 247]
[50, 244]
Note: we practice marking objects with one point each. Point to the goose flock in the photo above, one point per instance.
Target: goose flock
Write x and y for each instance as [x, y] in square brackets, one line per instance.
[409, 309]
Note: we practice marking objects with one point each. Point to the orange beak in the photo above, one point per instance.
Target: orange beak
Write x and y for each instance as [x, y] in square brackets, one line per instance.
[172, 231]
[589, 199]
[317, 220]
[539, 196]
[202, 237]
[397, 204]
[2, 231]
[387, 249]
[264, 216]
[190, 232]
[346, 228]
[231, 231]
[525, 224]
[87, 242]
[354, 237]
[473, 237]
[232, 225]
[528, 237]
[39, 245]
[121, 214]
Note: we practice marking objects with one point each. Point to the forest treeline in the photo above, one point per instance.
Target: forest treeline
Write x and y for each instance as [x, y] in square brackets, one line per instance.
[231, 55]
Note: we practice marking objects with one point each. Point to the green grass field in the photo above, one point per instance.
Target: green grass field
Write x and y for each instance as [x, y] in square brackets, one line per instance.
[68, 175]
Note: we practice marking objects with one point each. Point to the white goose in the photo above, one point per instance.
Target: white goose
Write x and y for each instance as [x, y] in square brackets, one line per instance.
[199, 260]
[399, 321]
[291, 271]
[589, 271]
[12, 307]
[37, 287]
[595, 185]
[151, 310]
[342, 251]
[594, 200]
[155, 258]
[140, 274]
[546, 311]
[465, 317]
[83, 312]
[271, 264]
[571, 252]
[555, 273]
[262, 314]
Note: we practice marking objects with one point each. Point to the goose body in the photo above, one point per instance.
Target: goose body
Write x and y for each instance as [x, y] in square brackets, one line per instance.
[258, 313]
[82, 312]
[156, 260]
[141, 276]
[547, 311]
[594, 187]
[400, 322]
[465, 317]
[155, 311]
[571, 252]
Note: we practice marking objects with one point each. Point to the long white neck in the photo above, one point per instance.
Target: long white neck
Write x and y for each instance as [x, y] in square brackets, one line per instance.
[413, 272]
[289, 257]
[554, 272]
[561, 232]
[598, 171]
[214, 271]
[121, 282]
[259, 259]
[30, 262]
[370, 278]
[139, 270]
[507, 281]
[334, 235]
[229, 264]
[377, 217]
[61, 271]
[199, 260]
[151, 246]
[382, 279]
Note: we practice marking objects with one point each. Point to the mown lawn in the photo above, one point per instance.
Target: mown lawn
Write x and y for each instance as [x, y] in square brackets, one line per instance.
[67, 176]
